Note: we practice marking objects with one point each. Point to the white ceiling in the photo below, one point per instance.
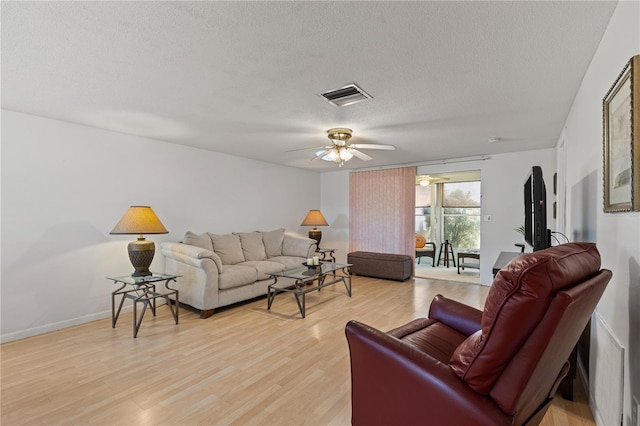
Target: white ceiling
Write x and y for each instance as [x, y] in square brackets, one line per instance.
[243, 78]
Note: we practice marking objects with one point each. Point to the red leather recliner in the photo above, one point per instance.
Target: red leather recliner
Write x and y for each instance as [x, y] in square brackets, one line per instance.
[463, 366]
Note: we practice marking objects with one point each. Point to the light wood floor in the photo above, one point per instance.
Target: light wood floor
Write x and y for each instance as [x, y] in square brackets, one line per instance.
[244, 365]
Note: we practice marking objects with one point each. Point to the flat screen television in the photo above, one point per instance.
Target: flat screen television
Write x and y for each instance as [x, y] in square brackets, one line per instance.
[536, 233]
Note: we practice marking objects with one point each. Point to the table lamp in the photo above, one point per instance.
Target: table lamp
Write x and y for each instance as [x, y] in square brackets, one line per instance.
[140, 220]
[314, 218]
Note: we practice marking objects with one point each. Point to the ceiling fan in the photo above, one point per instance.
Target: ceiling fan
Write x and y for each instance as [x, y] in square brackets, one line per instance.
[341, 150]
[426, 180]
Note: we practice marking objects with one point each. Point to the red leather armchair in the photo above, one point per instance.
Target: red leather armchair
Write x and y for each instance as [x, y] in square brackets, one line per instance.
[463, 366]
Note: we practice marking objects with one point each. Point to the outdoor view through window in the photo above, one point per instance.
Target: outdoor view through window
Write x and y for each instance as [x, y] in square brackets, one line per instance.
[447, 210]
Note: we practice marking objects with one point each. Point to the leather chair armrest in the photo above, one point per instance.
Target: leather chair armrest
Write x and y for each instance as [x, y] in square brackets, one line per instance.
[394, 383]
[461, 317]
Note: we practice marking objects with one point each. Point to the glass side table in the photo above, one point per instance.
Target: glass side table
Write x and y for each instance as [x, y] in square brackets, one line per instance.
[325, 252]
[143, 290]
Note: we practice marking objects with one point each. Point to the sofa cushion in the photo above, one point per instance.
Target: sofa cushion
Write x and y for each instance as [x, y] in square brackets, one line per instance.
[236, 276]
[273, 242]
[264, 267]
[296, 245]
[228, 247]
[202, 240]
[289, 262]
[517, 301]
[252, 246]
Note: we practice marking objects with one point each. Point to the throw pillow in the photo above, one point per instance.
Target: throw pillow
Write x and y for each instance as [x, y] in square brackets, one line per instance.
[228, 247]
[252, 246]
[273, 242]
[298, 246]
[202, 241]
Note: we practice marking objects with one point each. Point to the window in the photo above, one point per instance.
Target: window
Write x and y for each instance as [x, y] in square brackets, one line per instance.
[448, 208]
[423, 211]
[461, 214]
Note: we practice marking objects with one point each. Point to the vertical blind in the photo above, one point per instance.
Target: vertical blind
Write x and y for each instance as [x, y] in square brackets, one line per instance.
[381, 211]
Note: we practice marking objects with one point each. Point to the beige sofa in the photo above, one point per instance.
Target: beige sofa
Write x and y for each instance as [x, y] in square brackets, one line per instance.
[218, 270]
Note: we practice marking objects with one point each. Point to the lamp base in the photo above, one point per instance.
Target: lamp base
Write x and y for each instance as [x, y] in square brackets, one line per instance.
[316, 234]
[141, 254]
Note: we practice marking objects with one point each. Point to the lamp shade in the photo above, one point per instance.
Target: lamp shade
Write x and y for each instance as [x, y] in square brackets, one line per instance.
[139, 220]
[314, 218]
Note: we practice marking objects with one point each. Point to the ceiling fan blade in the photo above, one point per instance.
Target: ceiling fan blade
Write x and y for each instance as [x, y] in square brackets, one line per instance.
[321, 154]
[360, 155]
[309, 148]
[372, 146]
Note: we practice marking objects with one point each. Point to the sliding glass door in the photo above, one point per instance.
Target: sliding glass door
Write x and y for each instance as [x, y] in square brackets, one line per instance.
[448, 208]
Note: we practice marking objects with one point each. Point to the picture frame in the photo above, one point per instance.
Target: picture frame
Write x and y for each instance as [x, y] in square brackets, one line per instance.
[621, 140]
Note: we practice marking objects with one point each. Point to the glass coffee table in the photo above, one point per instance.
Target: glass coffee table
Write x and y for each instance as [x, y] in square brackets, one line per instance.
[326, 274]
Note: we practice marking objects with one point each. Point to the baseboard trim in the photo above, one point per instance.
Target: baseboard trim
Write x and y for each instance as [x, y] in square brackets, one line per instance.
[47, 328]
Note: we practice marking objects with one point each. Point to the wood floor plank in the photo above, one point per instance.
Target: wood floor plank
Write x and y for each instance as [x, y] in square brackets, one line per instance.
[245, 365]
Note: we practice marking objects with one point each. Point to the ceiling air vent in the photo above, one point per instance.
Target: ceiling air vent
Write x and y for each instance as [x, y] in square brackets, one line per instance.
[346, 95]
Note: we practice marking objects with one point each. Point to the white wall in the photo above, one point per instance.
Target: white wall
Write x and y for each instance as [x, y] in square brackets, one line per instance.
[65, 186]
[617, 234]
[502, 180]
[335, 208]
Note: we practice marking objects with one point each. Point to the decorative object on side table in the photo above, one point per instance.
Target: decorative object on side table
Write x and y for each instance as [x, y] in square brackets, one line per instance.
[312, 262]
[314, 218]
[621, 132]
[140, 220]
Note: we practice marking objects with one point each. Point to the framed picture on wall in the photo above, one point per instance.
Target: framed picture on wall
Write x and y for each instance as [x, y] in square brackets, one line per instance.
[621, 128]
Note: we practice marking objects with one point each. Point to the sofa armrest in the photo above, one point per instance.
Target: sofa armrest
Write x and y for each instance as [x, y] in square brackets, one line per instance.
[296, 245]
[394, 383]
[460, 317]
[199, 271]
[189, 254]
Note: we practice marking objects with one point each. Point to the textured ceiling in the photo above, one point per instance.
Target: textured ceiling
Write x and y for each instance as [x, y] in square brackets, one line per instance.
[243, 78]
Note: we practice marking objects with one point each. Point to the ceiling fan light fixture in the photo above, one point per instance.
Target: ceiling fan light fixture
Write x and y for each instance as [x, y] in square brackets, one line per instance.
[338, 155]
[332, 155]
[341, 151]
[345, 155]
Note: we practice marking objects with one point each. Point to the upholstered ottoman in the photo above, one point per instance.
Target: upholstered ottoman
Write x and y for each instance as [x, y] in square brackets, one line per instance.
[380, 265]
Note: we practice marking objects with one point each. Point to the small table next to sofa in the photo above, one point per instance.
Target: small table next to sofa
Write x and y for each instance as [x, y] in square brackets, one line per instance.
[143, 290]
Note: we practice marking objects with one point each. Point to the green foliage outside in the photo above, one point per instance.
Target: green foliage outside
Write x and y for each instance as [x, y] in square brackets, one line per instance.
[464, 230]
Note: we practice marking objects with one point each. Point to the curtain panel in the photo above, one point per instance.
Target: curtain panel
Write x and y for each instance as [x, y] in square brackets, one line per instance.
[381, 211]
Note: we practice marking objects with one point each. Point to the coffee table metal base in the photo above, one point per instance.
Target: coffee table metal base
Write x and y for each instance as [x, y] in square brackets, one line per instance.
[303, 286]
